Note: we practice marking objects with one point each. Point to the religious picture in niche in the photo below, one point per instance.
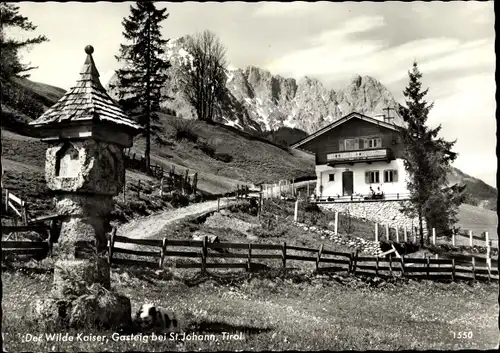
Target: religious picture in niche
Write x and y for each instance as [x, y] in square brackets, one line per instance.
[67, 163]
[107, 165]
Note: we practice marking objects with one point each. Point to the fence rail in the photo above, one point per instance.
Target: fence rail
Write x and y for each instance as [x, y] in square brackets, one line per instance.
[430, 268]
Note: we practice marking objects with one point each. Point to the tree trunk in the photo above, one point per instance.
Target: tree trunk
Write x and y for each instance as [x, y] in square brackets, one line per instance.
[148, 100]
[421, 229]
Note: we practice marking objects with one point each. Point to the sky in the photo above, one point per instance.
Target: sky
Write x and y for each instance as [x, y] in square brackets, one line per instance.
[453, 43]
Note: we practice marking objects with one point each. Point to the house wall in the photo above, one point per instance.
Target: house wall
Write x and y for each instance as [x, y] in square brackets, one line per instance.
[328, 142]
[334, 188]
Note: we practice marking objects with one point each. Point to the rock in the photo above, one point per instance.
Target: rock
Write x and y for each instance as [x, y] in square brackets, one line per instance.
[98, 308]
[252, 237]
[225, 212]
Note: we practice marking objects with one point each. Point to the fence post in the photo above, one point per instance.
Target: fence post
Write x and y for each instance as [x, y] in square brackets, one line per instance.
[488, 253]
[218, 204]
[433, 236]
[259, 210]
[453, 238]
[376, 266]
[405, 234]
[284, 255]
[163, 249]
[336, 222]
[402, 259]
[161, 187]
[387, 236]
[111, 245]
[204, 254]
[296, 215]
[470, 237]
[6, 200]
[453, 269]
[249, 264]
[415, 235]
[428, 265]
[397, 235]
[355, 262]
[320, 252]
[308, 190]
[487, 239]
[376, 232]
[390, 265]
[473, 268]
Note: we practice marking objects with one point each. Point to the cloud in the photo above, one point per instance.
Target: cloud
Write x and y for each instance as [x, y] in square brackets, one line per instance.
[272, 9]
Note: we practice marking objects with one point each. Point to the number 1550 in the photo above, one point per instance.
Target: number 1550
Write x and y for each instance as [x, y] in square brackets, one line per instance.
[462, 334]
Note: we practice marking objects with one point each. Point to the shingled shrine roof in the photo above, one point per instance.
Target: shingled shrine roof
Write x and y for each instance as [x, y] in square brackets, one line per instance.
[87, 100]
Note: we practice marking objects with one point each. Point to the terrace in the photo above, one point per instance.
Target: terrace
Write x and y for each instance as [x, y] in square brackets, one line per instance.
[361, 198]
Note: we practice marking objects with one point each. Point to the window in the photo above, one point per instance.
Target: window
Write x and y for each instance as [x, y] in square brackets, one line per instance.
[349, 144]
[372, 177]
[331, 177]
[360, 143]
[390, 176]
[375, 142]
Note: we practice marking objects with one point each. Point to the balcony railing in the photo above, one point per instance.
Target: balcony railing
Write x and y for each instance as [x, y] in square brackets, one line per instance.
[361, 156]
[362, 197]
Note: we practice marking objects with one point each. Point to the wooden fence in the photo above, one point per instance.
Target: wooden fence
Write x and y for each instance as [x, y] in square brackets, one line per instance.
[16, 204]
[168, 179]
[471, 269]
[286, 188]
[37, 249]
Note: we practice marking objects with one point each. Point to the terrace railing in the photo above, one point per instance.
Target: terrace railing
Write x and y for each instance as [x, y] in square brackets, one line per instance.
[361, 197]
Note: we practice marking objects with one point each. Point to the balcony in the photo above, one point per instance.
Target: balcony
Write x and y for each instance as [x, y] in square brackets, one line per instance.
[367, 156]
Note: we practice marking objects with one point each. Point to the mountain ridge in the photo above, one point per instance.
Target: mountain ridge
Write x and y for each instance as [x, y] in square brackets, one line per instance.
[257, 100]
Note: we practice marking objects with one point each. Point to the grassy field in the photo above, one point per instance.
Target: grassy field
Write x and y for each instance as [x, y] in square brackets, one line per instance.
[279, 311]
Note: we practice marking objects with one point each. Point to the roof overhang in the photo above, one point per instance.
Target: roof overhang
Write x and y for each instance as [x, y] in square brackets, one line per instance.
[340, 122]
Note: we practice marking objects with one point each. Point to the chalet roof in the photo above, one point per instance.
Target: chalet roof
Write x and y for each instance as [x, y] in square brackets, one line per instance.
[87, 100]
[342, 120]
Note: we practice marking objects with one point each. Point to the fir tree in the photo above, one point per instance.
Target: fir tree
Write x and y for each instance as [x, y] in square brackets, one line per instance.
[140, 81]
[427, 160]
[11, 65]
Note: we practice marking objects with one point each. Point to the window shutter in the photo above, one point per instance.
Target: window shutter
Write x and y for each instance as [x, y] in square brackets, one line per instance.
[361, 144]
[395, 173]
[367, 177]
[386, 172]
[379, 142]
[341, 145]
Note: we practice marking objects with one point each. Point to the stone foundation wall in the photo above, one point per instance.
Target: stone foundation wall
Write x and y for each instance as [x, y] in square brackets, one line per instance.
[384, 212]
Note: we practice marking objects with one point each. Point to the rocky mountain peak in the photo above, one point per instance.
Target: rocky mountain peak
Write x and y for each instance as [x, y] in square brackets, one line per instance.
[256, 99]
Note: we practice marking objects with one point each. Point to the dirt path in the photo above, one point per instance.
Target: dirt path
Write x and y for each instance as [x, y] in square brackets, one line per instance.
[149, 227]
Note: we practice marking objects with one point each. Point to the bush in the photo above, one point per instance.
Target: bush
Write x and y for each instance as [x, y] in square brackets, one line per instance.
[223, 157]
[206, 148]
[184, 129]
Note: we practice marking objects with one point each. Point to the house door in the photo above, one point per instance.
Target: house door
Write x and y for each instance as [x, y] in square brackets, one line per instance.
[347, 184]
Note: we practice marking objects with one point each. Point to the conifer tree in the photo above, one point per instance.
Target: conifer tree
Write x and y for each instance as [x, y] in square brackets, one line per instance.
[140, 81]
[427, 160]
[11, 65]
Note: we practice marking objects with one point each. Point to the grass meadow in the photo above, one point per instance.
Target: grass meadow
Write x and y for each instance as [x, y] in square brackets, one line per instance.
[293, 310]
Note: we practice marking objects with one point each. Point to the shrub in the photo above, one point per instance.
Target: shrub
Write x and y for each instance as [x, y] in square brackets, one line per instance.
[184, 129]
[223, 157]
[206, 148]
